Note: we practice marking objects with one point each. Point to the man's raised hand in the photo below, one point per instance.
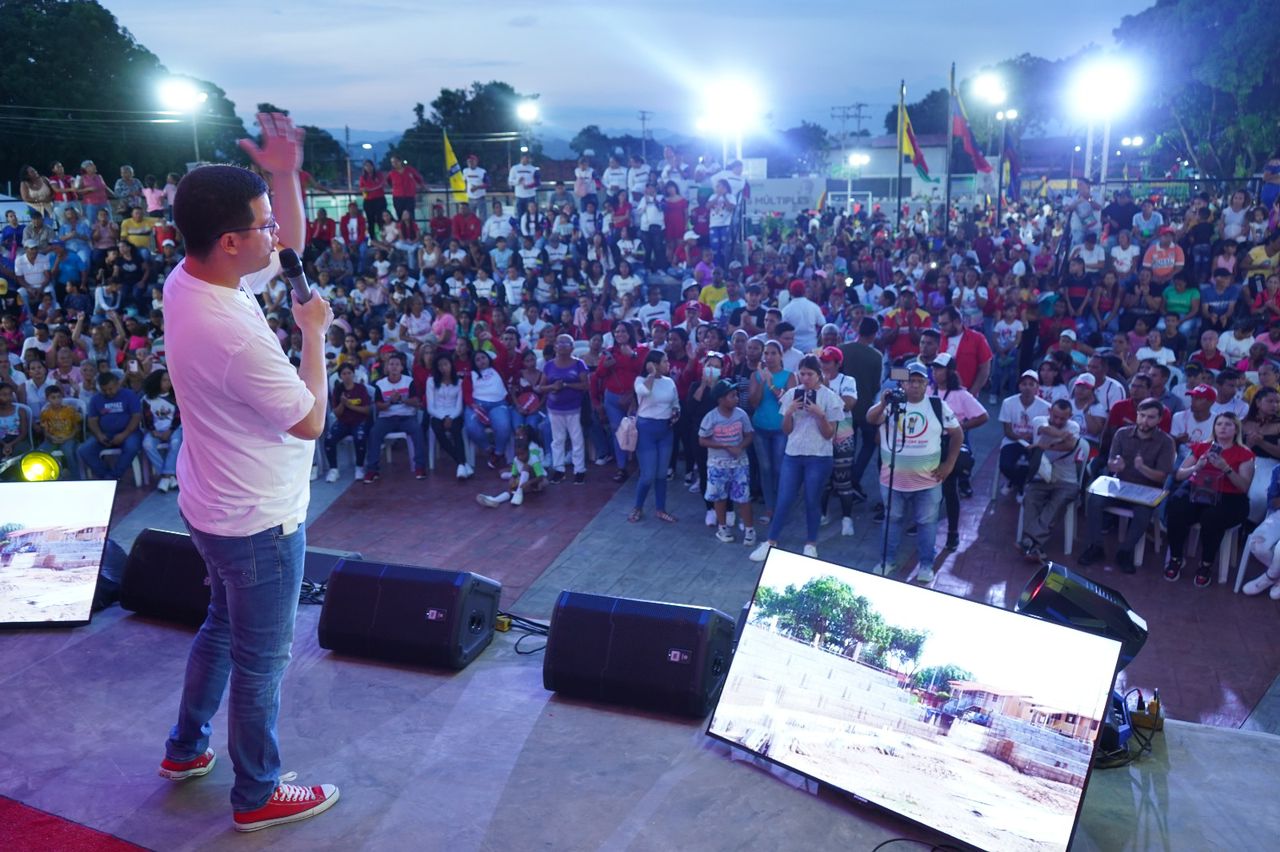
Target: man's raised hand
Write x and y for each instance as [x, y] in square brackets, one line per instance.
[281, 151]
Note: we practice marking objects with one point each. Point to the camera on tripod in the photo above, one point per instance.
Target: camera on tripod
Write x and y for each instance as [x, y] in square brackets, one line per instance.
[897, 396]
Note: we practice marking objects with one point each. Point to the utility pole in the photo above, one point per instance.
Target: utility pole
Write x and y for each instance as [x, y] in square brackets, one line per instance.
[645, 115]
[843, 114]
[346, 140]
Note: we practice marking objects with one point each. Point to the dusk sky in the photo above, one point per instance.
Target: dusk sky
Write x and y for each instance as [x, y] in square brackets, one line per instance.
[365, 64]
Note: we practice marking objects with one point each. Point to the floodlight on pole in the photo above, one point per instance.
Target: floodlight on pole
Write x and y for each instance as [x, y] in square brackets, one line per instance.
[857, 159]
[1102, 91]
[368, 146]
[181, 94]
[990, 88]
[731, 108]
[527, 111]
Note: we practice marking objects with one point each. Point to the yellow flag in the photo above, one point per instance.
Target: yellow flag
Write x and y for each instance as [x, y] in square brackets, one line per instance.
[457, 185]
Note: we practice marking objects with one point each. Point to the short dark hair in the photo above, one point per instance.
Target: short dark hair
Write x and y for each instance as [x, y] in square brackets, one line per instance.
[1152, 403]
[211, 200]
[782, 328]
[1063, 404]
[868, 327]
[106, 378]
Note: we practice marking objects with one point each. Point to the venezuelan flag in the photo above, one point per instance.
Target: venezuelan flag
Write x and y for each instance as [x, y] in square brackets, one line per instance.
[960, 127]
[457, 186]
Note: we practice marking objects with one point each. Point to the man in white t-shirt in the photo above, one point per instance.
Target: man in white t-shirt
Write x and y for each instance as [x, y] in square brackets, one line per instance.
[397, 411]
[1124, 255]
[911, 441]
[523, 178]
[637, 178]
[1017, 414]
[614, 178]
[249, 421]
[1058, 436]
[655, 308]
[477, 182]
[805, 316]
[1195, 423]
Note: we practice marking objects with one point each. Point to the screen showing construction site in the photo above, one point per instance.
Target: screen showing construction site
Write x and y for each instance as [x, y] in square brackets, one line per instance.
[973, 720]
[52, 538]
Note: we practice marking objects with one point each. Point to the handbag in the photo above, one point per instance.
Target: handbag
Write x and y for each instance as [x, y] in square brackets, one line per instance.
[528, 402]
[627, 434]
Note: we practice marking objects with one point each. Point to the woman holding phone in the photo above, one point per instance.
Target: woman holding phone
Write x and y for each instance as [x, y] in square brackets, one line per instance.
[810, 413]
[658, 407]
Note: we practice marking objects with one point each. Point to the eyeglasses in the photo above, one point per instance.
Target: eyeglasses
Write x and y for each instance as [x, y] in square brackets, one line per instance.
[272, 226]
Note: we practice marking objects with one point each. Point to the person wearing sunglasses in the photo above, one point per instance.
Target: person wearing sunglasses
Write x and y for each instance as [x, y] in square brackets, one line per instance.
[250, 424]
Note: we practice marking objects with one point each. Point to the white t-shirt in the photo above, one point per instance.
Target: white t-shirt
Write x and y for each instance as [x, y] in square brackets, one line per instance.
[614, 179]
[1164, 356]
[396, 393]
[1064, 463]
[1006, 333]
[1234, 348]
[661, 402]
[1020, 418]
[475, 180]
[496, 226]
[1236, 406]
[805, 438]
[1122, 258]
[636, 179]
[918, 440]
[807, 317]
[647, 313]
[1185, 423]
[523, 180]
[239, 469]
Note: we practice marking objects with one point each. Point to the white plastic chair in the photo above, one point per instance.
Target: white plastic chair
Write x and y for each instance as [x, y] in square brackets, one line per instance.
[109, 452]
[1227, 552]
[1069, 515]
[1125, 514]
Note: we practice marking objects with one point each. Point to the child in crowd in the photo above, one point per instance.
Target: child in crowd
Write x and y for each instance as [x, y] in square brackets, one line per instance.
[526, 474]
[62, 426]
[726, 433]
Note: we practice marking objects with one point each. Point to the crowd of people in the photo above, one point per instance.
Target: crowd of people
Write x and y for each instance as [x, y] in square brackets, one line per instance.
[626, 320]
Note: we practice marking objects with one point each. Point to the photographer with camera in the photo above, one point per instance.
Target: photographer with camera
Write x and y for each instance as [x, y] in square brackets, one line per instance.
[914, 431]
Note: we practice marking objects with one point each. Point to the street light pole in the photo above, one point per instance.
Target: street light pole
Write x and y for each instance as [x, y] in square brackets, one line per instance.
[1106, 149]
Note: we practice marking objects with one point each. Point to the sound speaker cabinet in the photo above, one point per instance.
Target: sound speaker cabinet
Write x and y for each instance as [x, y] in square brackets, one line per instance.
[406, 614]
[660, 656]
[165, 578]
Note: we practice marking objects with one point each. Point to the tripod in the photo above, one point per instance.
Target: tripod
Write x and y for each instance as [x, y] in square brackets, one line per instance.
[892, 419]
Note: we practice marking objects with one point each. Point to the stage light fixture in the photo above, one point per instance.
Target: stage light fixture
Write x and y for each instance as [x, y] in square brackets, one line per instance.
[35, 466]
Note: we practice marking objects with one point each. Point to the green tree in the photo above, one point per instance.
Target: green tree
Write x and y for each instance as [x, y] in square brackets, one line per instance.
[906, 645]
[471, 116]
[322, 155]
[81, 87]
[1216, 98]
[939, 676]
[603, 146]
[800, 150]
[928, 115]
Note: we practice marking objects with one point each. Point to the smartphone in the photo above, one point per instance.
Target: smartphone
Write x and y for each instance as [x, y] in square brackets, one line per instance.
[810, 396]
[133, 366]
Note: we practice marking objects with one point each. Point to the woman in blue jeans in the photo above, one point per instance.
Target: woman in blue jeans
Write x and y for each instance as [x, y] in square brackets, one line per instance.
[658, 408]
[767, 386]
[485, 394]
[810, 412]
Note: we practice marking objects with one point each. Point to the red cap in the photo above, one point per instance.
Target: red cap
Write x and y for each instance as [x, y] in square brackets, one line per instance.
[1165, 230]
[386, 349]
[796, 287]
[831, 353]
[1203, 392]
[660, 322]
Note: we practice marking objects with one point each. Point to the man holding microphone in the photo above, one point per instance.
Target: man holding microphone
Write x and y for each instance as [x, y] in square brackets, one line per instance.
[243, 471]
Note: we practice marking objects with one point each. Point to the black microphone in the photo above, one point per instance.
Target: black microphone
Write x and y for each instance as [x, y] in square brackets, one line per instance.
[291, 266]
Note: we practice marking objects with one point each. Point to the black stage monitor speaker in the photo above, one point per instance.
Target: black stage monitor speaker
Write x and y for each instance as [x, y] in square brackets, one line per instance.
[165, 578]
[661, 656]
[406, 614]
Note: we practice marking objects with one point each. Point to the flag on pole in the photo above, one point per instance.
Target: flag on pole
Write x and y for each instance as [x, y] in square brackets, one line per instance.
[457, 186]
[911, 148]
[960, 127]
[1013, 168]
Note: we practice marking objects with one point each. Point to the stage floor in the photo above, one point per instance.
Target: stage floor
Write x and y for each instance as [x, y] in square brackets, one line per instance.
[486, 759]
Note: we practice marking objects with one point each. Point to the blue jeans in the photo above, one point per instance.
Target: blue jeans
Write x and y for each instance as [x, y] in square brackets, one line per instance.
[539, 425]
[253, 598]
[90, 459]
[922, 508]
[70, 460]
[769, 444]
[654, 440]
[499, 422]
[383, 426]
[338, 431]
[811, 472]
[167, 464]
[615, 410]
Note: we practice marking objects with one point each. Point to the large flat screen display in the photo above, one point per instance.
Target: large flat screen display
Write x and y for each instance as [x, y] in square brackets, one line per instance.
[52, 538]
[975, 721]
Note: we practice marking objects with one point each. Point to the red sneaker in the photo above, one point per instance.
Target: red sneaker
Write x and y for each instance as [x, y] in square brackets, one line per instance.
[419, 473]
[289, 803]
[371, 477]
[180, 770]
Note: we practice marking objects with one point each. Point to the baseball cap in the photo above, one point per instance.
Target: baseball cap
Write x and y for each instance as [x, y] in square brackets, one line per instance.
[737, 264]
[691, 235]
[1222, 270]
[660, 322]
[31, 244]
[943, 359]
[796, 287]
[1068, 333]
[1085, 379]
[1165, 230]
[171, 242]
[1203, 392]
[831, 353]
[1030, 374]
[915, 368]
[722, 388]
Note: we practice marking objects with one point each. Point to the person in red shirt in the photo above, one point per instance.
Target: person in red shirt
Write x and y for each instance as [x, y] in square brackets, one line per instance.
[353, 227]
[700, 222]
[1125, 411]
[405, 182]
[440, 225]
[1208, 355]
[320, 233]
[466, 225]
[675, 218]
[902, 327]
[373, 188]
[968, 347]
[620, 366]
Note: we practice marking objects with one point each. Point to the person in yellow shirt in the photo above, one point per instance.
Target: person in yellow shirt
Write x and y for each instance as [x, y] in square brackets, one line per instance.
[139, 230]
[715, 291]
[61, 425]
